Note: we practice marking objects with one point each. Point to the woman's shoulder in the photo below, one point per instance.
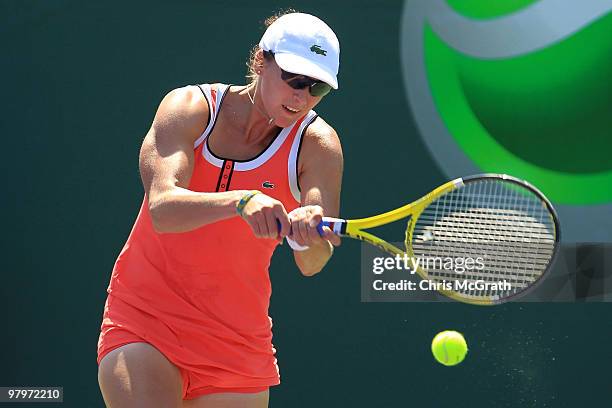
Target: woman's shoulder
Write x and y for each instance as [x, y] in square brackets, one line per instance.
[183, 110]
[320, 130]
[187, 98]
[320, 137]
[183, 103]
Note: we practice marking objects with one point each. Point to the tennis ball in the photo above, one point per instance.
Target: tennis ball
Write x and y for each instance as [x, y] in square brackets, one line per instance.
[449, 347]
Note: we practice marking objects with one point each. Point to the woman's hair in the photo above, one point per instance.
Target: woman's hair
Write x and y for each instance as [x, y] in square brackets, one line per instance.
[252, 61]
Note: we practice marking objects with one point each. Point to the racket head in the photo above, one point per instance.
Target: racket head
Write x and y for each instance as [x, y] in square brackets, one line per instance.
[505, 221]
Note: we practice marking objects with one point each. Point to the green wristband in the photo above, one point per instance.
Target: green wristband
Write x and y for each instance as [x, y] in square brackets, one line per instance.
[244, 200]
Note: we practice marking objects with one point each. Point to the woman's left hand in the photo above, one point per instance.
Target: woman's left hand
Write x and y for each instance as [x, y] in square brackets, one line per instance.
[304, 221]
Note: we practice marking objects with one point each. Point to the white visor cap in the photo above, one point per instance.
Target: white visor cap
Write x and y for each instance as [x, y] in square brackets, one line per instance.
[303, 44]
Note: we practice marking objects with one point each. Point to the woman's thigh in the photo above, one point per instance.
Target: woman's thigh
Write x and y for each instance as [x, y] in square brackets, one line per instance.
[139, 375]
[230, 400]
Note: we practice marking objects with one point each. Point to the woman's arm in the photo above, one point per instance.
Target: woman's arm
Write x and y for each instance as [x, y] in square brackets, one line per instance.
[320, 177]
[166, 165]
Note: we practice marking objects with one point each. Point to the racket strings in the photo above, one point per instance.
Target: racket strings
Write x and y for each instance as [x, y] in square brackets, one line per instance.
[453, 230]
[504, 225]
[525, 259]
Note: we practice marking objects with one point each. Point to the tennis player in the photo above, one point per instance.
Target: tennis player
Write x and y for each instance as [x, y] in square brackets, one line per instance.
[228, 173]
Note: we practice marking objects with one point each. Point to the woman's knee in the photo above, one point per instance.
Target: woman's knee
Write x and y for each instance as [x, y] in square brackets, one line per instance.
[138, 374]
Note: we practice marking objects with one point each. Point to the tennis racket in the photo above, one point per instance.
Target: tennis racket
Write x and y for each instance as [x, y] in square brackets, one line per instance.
[506, 222]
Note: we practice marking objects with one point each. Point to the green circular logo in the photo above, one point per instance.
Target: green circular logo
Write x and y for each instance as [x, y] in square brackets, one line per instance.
[518, 87]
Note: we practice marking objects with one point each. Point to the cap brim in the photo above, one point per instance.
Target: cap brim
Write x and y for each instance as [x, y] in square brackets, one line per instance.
[300, 65]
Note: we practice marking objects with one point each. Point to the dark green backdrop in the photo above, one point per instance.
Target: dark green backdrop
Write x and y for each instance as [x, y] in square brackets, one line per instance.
[81, 81]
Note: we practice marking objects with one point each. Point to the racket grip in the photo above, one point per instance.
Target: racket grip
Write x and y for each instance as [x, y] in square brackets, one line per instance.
[319, 227]
[294, 245]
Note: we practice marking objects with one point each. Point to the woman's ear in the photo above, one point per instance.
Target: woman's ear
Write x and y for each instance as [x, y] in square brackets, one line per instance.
[259, 62]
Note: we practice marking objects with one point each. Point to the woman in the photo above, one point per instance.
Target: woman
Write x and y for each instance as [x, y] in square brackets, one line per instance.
[228, 173]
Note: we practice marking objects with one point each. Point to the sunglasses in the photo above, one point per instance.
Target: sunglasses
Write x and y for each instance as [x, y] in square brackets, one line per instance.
[297, 81]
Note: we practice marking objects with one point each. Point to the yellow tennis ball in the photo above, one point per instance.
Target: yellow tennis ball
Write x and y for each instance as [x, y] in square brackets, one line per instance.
[449, 347]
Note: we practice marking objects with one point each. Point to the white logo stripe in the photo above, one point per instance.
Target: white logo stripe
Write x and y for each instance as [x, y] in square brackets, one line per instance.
[530, 29]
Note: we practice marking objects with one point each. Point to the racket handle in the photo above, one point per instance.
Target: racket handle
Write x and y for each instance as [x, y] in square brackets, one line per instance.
[294, 245]
[319, 227]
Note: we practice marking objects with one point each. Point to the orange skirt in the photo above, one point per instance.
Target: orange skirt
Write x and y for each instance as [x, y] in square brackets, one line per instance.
[124, 324]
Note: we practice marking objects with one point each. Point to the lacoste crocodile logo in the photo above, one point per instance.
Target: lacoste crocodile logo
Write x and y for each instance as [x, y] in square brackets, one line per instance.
[318, 50]
[267, 184]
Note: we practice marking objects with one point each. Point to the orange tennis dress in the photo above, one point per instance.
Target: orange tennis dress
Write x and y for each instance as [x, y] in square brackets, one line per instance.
[201, 297]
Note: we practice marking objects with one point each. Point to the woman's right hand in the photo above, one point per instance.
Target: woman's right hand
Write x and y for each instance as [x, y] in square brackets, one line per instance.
[264, 214]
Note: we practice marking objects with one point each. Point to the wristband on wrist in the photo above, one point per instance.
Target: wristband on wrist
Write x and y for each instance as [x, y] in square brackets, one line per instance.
[244, 200]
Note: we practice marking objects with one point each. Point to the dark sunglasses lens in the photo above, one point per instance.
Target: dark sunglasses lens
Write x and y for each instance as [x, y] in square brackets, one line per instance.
[297, 81]
[320, 89]
[300, 83]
